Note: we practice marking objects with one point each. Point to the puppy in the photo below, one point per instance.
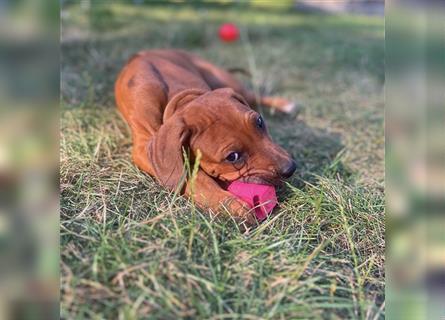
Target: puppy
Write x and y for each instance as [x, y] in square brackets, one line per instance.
[173, 100]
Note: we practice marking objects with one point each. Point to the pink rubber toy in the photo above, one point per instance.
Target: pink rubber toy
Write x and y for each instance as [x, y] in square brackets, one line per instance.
[258, 196]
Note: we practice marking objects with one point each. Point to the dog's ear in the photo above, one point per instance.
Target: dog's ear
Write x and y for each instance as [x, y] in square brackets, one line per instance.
[179, 100]
[165, 147]
[165, 151]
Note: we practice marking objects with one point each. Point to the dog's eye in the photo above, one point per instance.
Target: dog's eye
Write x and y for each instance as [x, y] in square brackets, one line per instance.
[233, 156]
[260, 122]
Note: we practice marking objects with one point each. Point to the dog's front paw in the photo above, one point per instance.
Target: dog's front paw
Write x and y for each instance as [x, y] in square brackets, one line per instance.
[240, 211]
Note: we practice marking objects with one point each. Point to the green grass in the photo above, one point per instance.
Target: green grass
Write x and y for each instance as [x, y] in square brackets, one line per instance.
[131, 250]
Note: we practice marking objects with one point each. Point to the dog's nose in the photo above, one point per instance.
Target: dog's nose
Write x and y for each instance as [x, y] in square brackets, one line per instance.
[288, 170]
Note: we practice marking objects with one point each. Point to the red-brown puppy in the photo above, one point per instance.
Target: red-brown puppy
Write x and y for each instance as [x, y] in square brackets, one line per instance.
[174, 100]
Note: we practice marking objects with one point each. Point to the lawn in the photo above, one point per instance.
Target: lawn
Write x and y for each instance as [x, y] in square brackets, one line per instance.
[131, 250]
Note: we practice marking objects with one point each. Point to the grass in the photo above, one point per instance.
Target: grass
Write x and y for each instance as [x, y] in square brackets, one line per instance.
[131, 250]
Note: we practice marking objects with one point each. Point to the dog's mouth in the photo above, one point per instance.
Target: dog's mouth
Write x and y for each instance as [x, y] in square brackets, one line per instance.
[261, 180]
[270, 181]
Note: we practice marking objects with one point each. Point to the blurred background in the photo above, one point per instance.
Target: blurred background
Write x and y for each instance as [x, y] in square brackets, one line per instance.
[415, 150]
[29, 82]
[29, 98]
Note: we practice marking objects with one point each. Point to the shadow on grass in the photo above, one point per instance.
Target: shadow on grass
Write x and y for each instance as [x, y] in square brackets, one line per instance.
[316, 151]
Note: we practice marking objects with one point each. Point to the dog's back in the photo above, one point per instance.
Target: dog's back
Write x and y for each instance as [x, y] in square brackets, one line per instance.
[150, 79]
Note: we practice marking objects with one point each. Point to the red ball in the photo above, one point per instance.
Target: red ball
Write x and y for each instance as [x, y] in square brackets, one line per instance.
[228, 32]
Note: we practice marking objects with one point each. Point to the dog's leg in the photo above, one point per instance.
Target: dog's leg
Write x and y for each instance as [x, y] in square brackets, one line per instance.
[279, 103]
[208, 194]
[140, 153]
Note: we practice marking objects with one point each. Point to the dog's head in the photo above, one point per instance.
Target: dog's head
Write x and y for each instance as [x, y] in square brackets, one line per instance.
[232, 138]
